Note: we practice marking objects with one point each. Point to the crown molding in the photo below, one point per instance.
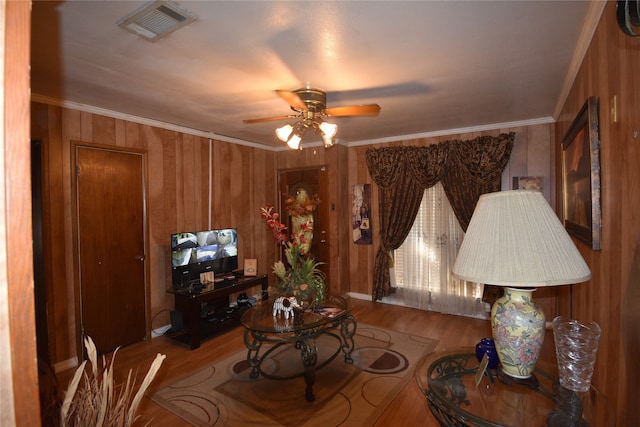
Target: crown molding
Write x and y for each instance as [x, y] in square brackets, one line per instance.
[143, 121]
[444, 132]
[212, 135]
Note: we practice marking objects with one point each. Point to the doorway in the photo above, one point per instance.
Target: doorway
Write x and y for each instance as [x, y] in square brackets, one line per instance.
[110, 223]
[39, 284]
[313, 181]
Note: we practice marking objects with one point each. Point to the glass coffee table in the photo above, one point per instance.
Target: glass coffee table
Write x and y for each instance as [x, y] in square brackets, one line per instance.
[448, 380]
[261, 327]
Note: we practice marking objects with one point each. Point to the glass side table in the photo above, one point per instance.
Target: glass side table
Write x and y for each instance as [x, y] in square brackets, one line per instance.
[448, 380]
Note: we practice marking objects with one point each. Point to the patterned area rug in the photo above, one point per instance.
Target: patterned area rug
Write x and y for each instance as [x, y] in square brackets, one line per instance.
[345, 395]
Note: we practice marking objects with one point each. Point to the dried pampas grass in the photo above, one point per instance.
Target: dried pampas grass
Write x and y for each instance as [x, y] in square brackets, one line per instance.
[96, 401]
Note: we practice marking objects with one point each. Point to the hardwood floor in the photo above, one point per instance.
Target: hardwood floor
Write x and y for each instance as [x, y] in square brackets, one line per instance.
[408, 408]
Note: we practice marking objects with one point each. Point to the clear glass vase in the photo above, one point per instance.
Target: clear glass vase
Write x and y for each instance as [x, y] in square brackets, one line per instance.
[576, 348]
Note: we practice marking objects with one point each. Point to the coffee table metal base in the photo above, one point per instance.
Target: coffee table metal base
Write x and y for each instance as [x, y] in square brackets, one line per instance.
[342, 328]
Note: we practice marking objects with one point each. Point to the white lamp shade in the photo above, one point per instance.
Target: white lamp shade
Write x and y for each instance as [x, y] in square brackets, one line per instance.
[515, 239]
[283, 132]
[328, 142]
[294, 141]
[329, 130]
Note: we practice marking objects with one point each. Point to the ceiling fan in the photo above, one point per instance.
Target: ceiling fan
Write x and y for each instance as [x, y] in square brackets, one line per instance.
[310, 106]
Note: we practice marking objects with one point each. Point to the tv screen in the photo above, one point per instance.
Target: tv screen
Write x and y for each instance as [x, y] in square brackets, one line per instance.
[193, 253]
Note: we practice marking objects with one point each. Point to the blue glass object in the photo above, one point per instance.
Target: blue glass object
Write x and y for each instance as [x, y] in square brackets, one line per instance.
[488, 347]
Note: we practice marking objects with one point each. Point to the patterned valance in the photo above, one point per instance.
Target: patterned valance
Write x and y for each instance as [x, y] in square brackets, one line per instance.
[467, 169]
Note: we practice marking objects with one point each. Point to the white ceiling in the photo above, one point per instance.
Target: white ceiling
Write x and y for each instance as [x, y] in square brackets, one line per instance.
[432, 66]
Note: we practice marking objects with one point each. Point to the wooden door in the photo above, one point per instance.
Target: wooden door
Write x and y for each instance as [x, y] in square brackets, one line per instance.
[111, 246]
[314, 181]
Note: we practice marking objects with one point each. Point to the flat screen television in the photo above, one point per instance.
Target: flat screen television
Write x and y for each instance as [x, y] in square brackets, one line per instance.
[196, 252]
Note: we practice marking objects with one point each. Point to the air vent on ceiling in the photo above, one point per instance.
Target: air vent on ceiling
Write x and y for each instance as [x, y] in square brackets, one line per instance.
[156, 20]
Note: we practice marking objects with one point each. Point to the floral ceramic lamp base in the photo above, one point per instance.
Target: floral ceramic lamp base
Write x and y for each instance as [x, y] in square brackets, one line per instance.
[518, 326]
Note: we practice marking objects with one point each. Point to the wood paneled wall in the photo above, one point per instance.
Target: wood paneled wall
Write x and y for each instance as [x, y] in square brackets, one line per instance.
[194, 183]
[610, 71]
[19, 405]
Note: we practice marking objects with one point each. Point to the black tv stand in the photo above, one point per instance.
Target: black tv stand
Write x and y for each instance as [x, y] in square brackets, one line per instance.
[219, 316]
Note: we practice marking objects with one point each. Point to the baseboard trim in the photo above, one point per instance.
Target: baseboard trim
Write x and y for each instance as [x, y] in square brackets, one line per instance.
[357, 295]
[158, 332]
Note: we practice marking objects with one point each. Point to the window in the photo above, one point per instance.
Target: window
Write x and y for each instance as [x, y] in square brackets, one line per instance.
[422, 265]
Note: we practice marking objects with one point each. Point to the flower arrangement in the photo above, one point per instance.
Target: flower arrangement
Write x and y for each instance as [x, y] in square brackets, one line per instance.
[302, 278]
[302, 204]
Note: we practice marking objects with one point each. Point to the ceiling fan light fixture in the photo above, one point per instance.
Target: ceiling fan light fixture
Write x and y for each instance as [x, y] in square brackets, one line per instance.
[283, 133]
[294, 142]
[310, 106]
[328, 142]
[329, 130]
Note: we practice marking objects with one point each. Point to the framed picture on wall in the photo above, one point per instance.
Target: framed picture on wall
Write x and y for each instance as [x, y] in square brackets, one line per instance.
[581, 209]
[528, 183]
[361, 214]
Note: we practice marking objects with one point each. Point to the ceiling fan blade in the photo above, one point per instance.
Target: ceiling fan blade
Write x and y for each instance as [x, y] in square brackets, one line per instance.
[354, 110]
[387, 91]
[267, 119]
[292, 99]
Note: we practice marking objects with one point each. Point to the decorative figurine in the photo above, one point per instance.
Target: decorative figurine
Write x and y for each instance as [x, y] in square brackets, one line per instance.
[285, 306]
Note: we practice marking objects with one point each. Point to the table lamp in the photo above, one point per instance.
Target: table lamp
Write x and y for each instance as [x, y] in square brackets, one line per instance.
[515, 240]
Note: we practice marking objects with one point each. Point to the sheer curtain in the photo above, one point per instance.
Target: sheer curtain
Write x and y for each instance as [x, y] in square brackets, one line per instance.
[423, 263]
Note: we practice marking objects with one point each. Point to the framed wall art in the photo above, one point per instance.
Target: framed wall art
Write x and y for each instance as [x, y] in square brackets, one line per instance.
[361, 214]
[250, 267]
[581, 209]
[528, 183]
